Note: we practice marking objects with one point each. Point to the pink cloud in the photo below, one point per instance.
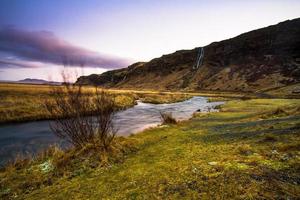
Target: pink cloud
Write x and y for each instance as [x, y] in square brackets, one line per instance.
[45, 47]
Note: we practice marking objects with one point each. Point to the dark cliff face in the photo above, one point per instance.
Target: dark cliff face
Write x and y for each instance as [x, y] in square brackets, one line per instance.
[267, 50]
[261, 59]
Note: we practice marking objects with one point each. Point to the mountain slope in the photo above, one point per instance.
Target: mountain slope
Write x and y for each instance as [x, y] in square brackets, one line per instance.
[259, 60]
[38, 81]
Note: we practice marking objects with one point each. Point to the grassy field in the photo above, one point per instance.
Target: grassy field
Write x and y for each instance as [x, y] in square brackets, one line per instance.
[22, 102]
[249, 150]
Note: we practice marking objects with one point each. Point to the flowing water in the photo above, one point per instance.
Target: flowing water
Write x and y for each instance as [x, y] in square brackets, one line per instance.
[31, 137]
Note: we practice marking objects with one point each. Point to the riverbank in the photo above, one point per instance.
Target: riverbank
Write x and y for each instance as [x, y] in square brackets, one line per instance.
[24, 102]
[248, 150]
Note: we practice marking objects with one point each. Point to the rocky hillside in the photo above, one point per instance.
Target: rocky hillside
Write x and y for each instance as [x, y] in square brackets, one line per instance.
[263, 59]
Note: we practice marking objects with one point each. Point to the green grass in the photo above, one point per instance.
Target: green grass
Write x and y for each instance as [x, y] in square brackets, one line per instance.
[246, 151]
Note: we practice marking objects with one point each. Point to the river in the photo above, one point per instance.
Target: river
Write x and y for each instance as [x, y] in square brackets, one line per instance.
[31, 137]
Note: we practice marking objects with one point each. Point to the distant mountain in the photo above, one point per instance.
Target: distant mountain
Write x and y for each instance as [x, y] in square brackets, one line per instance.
[260, 60]
[38, 81]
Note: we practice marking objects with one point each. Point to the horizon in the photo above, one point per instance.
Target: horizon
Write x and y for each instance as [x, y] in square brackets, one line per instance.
[103, 36]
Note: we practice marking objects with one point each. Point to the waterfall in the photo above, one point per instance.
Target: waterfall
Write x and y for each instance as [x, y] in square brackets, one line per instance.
[200, 57]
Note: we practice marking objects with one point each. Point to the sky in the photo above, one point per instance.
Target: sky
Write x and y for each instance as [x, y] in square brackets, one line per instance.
[39, 38]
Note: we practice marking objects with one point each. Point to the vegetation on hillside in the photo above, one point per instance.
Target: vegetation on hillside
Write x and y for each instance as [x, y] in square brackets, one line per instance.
[261, 60]
[249, 150]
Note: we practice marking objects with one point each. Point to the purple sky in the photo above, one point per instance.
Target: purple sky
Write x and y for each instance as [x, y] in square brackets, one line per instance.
[38, 36]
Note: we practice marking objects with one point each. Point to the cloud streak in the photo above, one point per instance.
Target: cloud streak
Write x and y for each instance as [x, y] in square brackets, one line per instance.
[10, 63]
[45, 47]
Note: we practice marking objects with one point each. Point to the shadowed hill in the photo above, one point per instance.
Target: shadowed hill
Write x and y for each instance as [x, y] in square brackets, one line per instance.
[263, 59]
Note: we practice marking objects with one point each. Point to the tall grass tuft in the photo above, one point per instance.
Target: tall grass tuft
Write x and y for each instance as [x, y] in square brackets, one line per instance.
[167, 118]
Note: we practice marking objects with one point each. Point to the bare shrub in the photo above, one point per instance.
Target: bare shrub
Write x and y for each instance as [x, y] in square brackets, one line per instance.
[72, 109]
[105, 108]
[167, 118]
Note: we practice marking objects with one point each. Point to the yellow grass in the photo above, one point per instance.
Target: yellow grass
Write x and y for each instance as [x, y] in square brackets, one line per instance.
[24, 102]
